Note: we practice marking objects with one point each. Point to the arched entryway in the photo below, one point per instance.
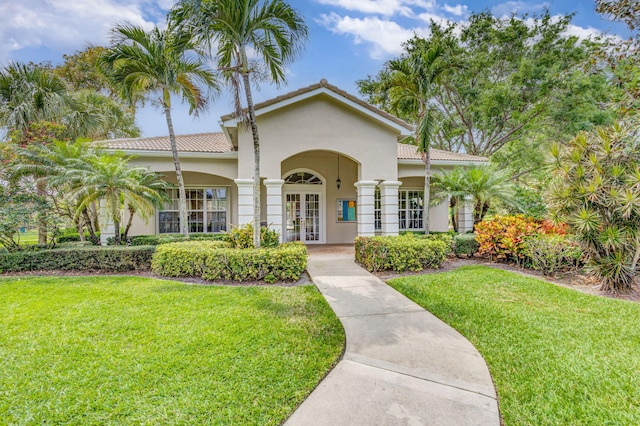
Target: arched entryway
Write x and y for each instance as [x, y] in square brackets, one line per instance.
[304, 193]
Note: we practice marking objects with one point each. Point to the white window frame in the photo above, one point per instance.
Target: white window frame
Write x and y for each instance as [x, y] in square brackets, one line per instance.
[205, 212]
[403, 194]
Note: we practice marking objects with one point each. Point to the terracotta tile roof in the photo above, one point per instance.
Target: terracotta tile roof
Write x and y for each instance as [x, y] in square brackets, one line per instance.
[410, 152]
[200, 142]
[335, 89]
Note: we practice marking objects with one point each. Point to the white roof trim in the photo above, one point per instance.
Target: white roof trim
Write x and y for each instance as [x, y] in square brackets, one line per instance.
[323, 90]
[232, 155]
[413, 162]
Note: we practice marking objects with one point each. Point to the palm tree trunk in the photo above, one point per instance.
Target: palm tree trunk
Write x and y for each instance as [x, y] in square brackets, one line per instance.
[95, 240]
[80, 229]
[453, 204]
[256, 150]
[42, 222]
[125, 234]
[426, 155]
[184, 228]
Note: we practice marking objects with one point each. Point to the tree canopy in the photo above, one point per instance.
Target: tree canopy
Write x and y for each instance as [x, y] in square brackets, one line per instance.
[507, 81]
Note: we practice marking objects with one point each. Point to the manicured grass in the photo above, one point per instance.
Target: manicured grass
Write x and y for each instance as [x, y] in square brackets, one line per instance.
[123, 350]
[557, 356]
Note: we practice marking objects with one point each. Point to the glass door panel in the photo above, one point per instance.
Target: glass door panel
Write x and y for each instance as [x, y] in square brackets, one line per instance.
[312, 217]
[302, 217]
[292, 217]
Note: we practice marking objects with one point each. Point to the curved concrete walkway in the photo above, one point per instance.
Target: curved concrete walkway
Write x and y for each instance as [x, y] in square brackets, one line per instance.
[402, 365]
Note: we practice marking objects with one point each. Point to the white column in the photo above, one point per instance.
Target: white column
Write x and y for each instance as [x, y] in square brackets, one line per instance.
[465, 215]
[245, 201]
[274, 204]
[107, 227]
[389, 206]
[365, 208]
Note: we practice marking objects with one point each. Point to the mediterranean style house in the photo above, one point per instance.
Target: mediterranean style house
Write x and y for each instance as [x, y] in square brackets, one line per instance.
[333, 167]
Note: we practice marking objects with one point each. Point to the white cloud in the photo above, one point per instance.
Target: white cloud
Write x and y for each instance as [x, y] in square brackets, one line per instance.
[511, 7]
[381, 7]
[582, 32]
[65, 25]
[385, 36]
[457, 10]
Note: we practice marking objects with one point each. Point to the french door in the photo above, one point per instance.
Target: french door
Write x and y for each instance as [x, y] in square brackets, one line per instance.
[303, 221]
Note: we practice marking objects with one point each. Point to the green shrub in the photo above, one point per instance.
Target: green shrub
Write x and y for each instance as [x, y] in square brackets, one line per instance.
[402, 253]
[446, 237]
[72, 236]
[106, 259]
[551, 253]
[465, 245]
[157, 239]
[242, 237]
[214, 260]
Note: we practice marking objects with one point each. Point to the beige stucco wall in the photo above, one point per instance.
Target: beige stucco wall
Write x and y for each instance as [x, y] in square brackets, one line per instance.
[320, 122]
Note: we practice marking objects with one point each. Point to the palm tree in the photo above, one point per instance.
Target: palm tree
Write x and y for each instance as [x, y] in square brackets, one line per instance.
[46, 164]
[29, 94]
[156, 65]
[449, 186]
[484, 186]
[411, 84]
[272, 29]
[109, 177]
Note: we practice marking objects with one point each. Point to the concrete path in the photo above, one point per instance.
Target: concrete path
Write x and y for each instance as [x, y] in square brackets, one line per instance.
[402, 365]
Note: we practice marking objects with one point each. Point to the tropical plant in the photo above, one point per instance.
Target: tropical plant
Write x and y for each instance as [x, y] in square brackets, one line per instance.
[481, 184]
[596, 190]
[109, 179]
[449, 185]
[155, 65]
[29, 94]
[272, 29]
[44, 164]
[505, 237]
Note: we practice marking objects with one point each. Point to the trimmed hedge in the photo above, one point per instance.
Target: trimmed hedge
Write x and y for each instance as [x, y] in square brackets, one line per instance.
[465, 245]
[402, 253]
[73, 237]
[212, 260]
[155, 240]
[105, 259]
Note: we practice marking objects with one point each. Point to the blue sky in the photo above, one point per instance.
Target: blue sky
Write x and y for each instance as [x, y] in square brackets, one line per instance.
[348, 39]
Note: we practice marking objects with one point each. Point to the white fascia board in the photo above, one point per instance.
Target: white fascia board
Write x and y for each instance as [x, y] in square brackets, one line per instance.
[165, 154]
[442, 162]
[323, 90]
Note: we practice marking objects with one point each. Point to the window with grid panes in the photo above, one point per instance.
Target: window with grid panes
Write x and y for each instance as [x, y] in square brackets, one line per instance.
[377, 210]
[206, 211]
[409, 210]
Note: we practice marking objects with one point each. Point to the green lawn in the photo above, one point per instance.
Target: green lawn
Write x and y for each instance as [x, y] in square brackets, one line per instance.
[123, 350]
[557, 356]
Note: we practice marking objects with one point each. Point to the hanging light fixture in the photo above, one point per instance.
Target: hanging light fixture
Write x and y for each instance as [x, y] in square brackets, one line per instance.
[338, 181]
